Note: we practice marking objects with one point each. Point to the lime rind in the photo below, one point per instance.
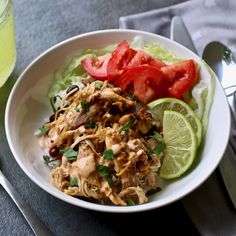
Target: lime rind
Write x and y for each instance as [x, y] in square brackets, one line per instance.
[160, 105]
[181, 145]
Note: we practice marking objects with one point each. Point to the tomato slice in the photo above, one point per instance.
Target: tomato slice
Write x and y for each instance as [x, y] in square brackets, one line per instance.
[97, 68]
[182, 77]
[119, 60]
[142, 57]
[143, 80]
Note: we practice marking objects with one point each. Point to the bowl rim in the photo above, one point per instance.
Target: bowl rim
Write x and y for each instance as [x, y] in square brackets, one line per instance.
[85, 204]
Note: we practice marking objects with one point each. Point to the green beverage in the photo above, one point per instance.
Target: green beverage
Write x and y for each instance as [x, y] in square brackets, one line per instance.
[7, 40]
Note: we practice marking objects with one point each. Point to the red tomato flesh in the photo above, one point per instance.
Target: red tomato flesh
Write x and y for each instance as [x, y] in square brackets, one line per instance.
[181, 75]
[143, 80]
[97, 68]
[119, 60]
[142, 57]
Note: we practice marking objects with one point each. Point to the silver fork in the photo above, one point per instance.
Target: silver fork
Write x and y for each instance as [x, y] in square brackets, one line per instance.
[36, 225]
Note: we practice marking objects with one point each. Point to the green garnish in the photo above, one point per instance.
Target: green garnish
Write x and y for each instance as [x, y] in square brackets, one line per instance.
[77, 109]
[43, 130]
[127, 125]
[52, 103]
[152, 191]
[91, 124]
[108, 154]
[158, 137]
[105, 173]
[159, 148]
[53, 100]
[69, 153]
[74, 181]
[133, 97]
[130, 202]
[98, 84]
[85, 106]
[48, 159]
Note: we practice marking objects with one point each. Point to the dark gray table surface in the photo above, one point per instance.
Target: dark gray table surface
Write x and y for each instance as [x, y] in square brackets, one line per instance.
[39, 25]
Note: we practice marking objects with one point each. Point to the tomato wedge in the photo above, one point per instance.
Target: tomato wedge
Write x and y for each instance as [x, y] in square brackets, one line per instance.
[143, 80]
[119, 60]
[181, 75]
[97, 68]
[142, 57]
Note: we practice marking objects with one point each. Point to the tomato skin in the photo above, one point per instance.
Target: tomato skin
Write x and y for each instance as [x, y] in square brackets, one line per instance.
[97, 68]
[144, 80]
[181, 75]
[119, 60]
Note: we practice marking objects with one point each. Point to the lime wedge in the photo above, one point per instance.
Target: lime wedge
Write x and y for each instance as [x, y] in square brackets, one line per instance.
[158, 107]
[181, 145]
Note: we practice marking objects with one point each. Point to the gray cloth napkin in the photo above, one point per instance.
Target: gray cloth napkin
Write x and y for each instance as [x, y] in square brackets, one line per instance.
[206, 20]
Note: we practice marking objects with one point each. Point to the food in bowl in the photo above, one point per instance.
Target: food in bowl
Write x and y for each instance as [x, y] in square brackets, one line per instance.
[124, 117]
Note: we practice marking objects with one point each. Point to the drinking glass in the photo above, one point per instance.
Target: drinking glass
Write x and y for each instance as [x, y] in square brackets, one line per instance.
[7, 40]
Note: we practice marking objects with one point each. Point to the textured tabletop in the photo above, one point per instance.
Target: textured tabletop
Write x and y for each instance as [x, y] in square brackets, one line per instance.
[40, 25]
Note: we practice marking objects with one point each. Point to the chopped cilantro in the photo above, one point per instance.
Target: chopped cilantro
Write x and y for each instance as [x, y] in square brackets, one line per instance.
[128, 125]
[105, 173]
[152, 191]
[91, 124]
[48, 159]
[74, 181]
[109, 180]
[103, 170]
[158, 137]
[108, 154]
[98, 84]
[130, 202]
[159, 148]
[70, 154]
[43, 130]
[133, 97]
[85, 106]
[53, 100]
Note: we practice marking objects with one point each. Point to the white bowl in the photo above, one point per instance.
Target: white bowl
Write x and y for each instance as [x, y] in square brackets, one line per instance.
[28, 105]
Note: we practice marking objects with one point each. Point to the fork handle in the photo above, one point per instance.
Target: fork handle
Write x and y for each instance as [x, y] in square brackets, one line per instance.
[35, 223]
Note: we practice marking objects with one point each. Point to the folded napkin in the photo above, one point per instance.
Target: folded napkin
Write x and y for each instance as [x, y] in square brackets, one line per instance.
[206, 20]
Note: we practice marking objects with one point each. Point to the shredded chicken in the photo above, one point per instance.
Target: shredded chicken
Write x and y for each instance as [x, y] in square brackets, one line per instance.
[104, 146]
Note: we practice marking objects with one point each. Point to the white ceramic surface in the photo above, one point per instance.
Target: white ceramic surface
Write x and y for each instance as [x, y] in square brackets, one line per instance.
[28, 106]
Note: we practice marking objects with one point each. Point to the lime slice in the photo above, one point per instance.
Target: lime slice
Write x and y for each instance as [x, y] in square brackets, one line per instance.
[160, 105]
[181, 145]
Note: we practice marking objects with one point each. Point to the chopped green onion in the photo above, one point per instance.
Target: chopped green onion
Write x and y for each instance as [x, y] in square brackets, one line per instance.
[108, 154]
[43, 130]
[127, 125]
[130, 202]
[70, 154]
[152, 191]
[74, 181]
[85, 106]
